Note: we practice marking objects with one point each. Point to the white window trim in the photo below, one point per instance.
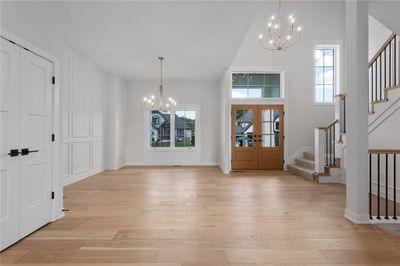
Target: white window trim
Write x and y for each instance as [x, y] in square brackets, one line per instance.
[172, 147]
[250, 70]
[336, 45]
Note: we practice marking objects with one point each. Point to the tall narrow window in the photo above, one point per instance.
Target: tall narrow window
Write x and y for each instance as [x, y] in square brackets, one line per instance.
[326, 73]
[185, 128]
[160, 129]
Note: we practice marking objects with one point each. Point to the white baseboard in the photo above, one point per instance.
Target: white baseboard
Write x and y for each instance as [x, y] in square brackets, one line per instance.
[170, 164]
[356, 218]
[82, 176]
[115, 167]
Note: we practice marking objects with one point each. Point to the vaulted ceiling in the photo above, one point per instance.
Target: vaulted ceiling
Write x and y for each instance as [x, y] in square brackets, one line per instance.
[198, 39]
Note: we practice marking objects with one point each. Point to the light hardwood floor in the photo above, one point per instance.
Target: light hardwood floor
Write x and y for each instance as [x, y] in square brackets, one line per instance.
[198, 216]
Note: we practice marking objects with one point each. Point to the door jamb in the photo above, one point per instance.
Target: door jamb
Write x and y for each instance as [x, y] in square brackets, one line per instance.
[57, 202]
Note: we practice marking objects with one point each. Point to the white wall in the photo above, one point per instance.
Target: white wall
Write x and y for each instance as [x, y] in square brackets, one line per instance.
[40, 23]
[116, 122]
[320, 21]
[387, 12]
[377, 36]
[83, 118]
[196, 93]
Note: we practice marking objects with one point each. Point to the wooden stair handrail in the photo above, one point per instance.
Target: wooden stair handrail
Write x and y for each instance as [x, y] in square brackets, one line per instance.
[383, 151]
[330, 125]
[380, 51]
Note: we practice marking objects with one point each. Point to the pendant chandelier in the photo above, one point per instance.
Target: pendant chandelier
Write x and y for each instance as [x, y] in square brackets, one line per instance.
[162, 105]
[280, 35]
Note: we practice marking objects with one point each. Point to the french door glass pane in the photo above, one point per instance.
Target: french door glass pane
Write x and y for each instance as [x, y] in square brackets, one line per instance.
[275, 121]
[266, 129]
[244, 128]
[160, 129]
[266, 140]
[266, 115]
[275, 140]
[270, 127]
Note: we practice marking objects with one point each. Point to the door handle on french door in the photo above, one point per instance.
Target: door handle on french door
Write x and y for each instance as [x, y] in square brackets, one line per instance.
[13, 153]
[26, 151]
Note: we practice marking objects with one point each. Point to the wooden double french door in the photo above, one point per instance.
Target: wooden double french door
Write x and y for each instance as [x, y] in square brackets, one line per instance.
[257, 137]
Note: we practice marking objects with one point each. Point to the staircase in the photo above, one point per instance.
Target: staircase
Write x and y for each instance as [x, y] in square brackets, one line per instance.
[305, 166]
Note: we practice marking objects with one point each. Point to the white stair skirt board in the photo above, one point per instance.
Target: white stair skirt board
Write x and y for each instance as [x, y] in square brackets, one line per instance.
[384, 110]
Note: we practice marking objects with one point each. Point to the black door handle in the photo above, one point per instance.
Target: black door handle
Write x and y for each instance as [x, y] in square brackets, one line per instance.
[26, 151]
[13, 153]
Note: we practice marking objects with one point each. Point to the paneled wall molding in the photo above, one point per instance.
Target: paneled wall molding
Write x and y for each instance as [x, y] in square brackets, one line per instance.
[83, 115]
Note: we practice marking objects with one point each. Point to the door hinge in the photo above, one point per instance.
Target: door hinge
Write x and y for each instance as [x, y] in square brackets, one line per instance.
[284, 113]
[283, 161]
[283, 136]
[53, 80]
[53, 137]
[52, 195]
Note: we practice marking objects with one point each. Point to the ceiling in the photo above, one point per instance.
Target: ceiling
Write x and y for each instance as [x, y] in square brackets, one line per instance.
[198, 39]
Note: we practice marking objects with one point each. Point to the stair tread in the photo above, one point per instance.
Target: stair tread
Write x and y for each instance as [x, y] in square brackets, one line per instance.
[306, 160]
[302, 168]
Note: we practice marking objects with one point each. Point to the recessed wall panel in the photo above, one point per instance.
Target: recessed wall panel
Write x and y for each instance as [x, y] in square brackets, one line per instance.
[65, 160]
[97, 153]
[80, 157]
[80, 99]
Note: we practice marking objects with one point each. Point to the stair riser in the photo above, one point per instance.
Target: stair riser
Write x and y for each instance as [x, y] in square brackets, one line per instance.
[309, 156]
[309, 165]
[300, 173]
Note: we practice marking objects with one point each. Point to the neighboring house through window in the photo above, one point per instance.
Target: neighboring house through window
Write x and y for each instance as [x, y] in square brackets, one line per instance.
[183, 126]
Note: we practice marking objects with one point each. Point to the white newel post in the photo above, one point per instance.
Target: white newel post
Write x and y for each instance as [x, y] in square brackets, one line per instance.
[319, 150]
[357, 111]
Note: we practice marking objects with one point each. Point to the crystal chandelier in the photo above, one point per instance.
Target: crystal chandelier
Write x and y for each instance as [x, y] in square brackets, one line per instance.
[279, 38]
[150, 102]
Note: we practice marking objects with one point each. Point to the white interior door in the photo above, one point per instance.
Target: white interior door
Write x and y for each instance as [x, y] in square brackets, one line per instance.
[35, 141]
[9, 130]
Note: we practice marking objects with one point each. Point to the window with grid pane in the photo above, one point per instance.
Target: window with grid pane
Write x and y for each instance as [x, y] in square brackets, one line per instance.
[325, 75]
[256, 85]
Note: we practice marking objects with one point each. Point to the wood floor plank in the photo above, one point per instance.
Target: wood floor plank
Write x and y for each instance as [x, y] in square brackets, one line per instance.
[192, 216]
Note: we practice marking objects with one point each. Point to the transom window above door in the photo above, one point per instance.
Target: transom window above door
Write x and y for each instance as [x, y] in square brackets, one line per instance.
[256, 85]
